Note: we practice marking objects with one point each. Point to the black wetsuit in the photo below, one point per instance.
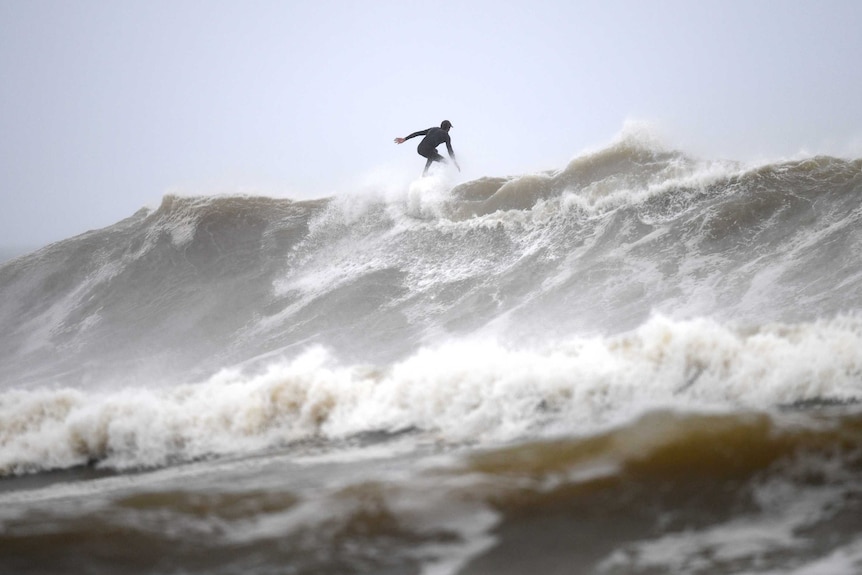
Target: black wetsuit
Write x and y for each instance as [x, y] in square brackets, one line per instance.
[428, 146]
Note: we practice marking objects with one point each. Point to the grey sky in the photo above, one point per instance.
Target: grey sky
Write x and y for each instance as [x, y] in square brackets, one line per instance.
[107, 105]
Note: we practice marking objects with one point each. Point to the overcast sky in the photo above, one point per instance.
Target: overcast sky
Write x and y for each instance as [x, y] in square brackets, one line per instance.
[107, 105]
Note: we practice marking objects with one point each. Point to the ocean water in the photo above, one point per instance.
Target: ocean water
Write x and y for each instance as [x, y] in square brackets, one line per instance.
[640, 363]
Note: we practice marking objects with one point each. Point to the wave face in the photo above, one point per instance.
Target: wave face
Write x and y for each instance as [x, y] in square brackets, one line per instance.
[633, 275]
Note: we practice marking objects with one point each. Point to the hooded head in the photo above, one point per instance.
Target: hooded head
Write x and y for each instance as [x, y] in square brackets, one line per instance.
[446, 124]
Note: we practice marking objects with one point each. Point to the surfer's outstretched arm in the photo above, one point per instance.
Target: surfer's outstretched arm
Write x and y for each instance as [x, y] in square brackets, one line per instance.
[413, 135]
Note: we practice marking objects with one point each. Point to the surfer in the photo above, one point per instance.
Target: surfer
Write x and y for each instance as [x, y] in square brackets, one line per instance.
[428, 146]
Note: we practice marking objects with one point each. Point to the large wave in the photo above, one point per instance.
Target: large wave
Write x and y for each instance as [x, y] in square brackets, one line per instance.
[634, 273]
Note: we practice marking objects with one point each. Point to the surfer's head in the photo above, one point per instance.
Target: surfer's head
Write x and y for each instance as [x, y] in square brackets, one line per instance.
[446, 125]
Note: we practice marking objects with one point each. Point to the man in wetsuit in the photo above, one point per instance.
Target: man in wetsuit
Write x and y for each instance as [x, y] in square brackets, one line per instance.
[428, 146]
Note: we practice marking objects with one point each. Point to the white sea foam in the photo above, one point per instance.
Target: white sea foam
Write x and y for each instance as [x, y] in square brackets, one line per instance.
[468, 389]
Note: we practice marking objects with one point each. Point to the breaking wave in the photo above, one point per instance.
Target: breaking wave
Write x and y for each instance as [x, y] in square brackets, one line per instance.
[633, 278]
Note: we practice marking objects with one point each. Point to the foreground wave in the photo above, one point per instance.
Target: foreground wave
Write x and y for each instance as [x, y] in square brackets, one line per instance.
[743, 492]
[468, 390]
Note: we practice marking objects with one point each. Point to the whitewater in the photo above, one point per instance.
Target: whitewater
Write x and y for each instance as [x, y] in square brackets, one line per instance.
[642, 362]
